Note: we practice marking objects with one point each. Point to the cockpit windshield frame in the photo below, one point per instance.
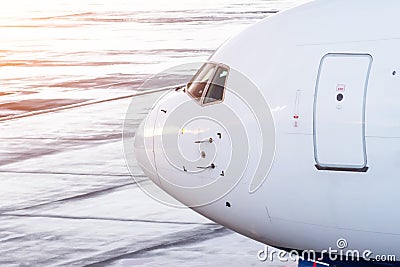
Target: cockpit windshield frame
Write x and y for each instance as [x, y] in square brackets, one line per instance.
[202, 99]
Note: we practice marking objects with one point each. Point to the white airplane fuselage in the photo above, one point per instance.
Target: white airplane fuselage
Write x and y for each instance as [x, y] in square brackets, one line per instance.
[315, 143]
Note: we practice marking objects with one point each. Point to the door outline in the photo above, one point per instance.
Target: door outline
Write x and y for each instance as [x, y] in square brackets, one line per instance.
[335, 167]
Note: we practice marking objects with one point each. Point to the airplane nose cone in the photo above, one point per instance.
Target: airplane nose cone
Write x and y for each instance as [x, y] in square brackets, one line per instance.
[198, 153]
[144, 157]
[143, 148]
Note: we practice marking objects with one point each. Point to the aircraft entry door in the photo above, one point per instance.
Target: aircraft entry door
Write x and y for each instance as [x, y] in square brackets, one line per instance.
[339, 112]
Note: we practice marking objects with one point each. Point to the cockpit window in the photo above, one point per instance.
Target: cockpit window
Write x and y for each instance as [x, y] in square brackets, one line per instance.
[200, 81]
[216, 88]
[208, 85]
